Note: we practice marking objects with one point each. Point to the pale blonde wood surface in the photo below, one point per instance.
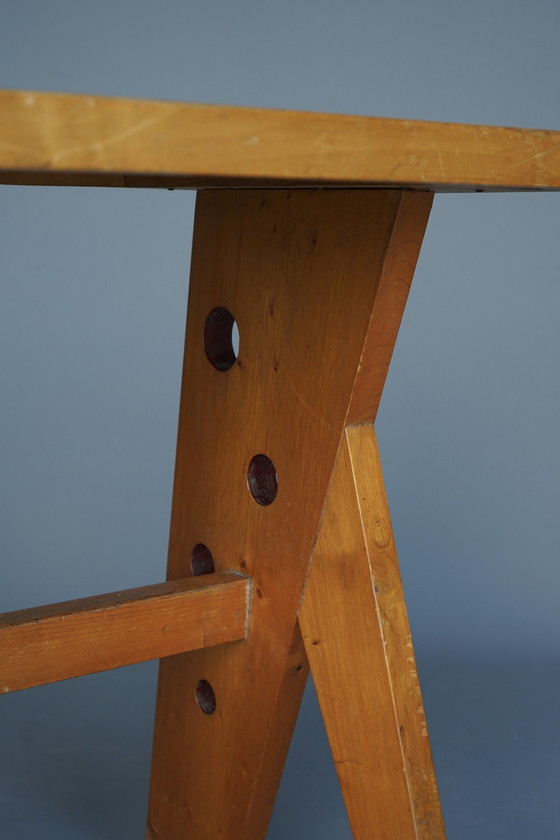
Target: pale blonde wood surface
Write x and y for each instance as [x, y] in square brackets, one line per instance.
[300, 272]
[49, 138]
[356, 634]
[72, 638]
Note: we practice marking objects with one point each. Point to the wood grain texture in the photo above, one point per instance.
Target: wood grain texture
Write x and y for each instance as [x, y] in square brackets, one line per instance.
[392, 294]
[356, 633]
[299, 271]
[55, 642]
[51, 138]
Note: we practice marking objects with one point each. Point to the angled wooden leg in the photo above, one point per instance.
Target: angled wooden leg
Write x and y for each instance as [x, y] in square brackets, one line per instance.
[358, 641]
[316, 281]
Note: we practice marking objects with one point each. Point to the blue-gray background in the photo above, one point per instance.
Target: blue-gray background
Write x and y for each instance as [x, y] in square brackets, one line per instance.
[92, 295]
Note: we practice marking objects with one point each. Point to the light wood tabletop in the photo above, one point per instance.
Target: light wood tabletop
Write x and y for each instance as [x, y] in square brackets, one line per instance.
[66, 139]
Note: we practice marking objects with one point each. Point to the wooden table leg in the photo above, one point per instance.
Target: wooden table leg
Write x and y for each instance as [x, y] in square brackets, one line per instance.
[355, 627]
[316, 281]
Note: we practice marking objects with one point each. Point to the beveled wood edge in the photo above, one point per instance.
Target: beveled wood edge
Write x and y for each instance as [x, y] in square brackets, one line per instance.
[66, 139]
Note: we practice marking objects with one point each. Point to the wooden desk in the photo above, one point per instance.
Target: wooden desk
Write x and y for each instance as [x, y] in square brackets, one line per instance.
[281, 554]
